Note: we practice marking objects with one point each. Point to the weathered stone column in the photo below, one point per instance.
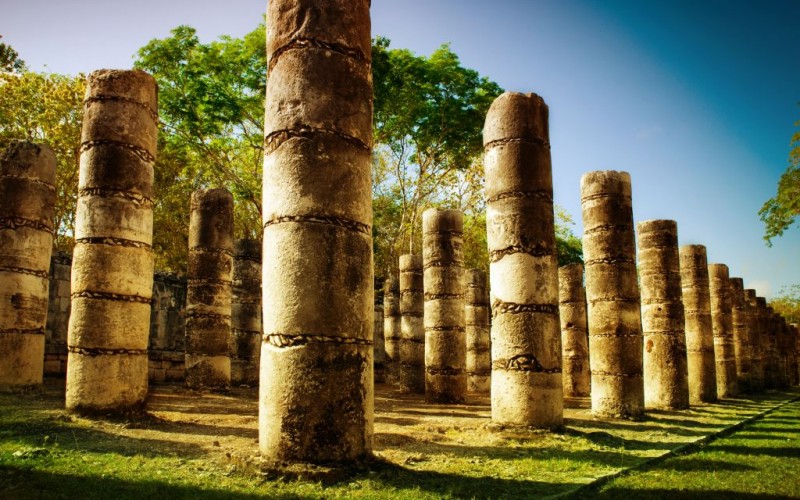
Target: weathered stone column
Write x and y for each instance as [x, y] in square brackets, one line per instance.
[445, 332]
[666, 384]
[391, 327]
[479, 359]
[316, 391]
[112, 263]
[783, 351]
[208, 296]
[721, 321]
[741, 337]
[245, 339]
[754, 340]
[764, 343]
[612, 293]
[574, 331]
[28, 194]
[523, 268]
[379, 346]
[796, 353]
[699, 330]
[411, 375]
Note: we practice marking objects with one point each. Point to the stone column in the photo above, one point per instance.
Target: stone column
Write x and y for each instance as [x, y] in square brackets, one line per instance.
[796, 353]
[479, 360]
[666, 384]
[379, 346]
[574, 332]
[768, 345]
[741, 337]
[208, 297]
[391, 327]
[112, 263]
[316, 391]
[612, 293]
[764, 343]
[719, 289]
[245, 340]
[411, 376]
[699, 331]
[754, 339]
[523, 268]
[28, 194]
[445, 335]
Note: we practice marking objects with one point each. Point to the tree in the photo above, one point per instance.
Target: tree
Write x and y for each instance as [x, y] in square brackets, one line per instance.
[787, 303]
[9, 59]
[780, 211]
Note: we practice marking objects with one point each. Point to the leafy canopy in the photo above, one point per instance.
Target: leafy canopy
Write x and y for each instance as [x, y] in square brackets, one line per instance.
[780, 211]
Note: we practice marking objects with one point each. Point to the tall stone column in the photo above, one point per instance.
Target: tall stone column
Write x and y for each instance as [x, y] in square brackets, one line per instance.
[699, 330]
[316, 391]
[245, 340]
[796, 353]
[445, 333]
[28, 194]
[719, 288]
[391, 327]
[523, 268]
[764, 343]
[379, 346]
[769, 345]
[479, 360]
[612, 293]
[574, 331]
[112, 263]
[666, 384]
[411, 375]
[754, 338]
[741, 337]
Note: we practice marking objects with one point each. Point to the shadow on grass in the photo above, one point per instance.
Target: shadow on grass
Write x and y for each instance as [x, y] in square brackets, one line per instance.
[688, 494]
[754, 451]
[697, 464]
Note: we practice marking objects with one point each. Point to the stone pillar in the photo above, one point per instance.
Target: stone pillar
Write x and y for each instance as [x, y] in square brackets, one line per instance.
[479, 360]
[699, 330]
[28, 194]
[208, 298]
[379, 346]
[523, 268]
[445, 333]
[612, 293]
[722, 324]
[783, 351]
[768, 345]
[741, 337]
[316, 392]
[753, 337]
[112, 263]
[391, 327]
[764, 342]
[411, 375]
[574, 333]
[796, 353]
[245, 340]
[666, 384]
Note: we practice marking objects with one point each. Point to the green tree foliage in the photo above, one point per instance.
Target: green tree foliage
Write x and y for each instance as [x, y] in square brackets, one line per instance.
[787, 303]
[780, 211]
[9, 59]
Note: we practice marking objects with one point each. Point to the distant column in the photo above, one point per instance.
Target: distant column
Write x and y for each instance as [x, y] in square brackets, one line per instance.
[527, 388]
[208, 298]
[612, 293]
[796, 354]
[770, 348]
[574, 332]
[28, 194]
[479, 360]
[112, 263]
[699, 330]
[246, 312]
[719, 288]
[391, 327]
[741, 337]
[445, 337]
[379, 363]
[666, 384]
[764, 340]
[754, 338]
[411, 375]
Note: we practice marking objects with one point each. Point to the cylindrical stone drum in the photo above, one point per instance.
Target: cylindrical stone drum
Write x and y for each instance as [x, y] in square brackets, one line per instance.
[764, 343]
[666, 384]
[411, 374]
[741, 338]
[391, 327]
[479, 358]
[445, 332]
[699, 332]
[379, 346]
[112, 263]
[574, 331]
[245, 339]
[722, 324]
[316, 390]
[523, 267]
[612, 293]
[754, 337]
[28, 194]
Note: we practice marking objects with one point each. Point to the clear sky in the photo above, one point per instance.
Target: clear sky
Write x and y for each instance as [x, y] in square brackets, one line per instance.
[696, 99]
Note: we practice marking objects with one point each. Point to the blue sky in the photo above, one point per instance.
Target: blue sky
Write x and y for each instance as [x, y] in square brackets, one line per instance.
[696, 99]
